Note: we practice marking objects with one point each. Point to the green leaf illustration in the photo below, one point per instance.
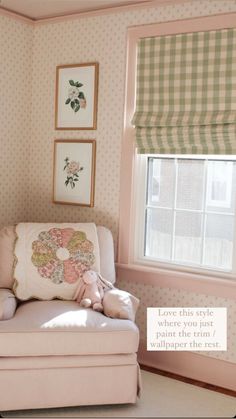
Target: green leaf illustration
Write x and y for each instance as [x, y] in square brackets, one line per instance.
[77, 101]
[67, 101]
[72, 104]
[81, 95]
[80, 84]
[77, 108]
[71, 82]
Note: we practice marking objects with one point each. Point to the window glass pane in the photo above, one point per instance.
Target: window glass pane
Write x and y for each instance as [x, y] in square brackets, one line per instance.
[221, 186]
[159, 226]
[190, 211]
[188, 237]
[219, 241]
[190, 184]
[161, 182]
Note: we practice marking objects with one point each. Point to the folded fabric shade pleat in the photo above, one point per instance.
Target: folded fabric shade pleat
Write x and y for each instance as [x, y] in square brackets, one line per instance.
[186, 93]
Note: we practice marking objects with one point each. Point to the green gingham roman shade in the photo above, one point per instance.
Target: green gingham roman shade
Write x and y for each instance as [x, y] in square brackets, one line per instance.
[186, 93]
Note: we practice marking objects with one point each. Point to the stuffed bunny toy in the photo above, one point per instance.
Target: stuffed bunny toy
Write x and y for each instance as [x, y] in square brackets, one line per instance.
[90, 291]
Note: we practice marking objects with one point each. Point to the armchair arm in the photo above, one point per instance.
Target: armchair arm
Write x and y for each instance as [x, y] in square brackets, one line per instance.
[8, 304]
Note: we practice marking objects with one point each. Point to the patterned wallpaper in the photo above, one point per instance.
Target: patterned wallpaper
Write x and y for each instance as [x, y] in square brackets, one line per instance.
[151, 296]
[29, 149]
[102, 39]
[15, 123]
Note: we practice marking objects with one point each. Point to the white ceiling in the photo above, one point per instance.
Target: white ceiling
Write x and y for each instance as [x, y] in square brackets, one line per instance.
[39, 9]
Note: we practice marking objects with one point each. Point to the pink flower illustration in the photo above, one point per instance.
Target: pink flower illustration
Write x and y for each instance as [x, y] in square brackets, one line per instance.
[83, 103]
[73, 167]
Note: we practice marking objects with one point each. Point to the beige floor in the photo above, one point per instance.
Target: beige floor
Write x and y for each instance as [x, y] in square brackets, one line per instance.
[161, 397]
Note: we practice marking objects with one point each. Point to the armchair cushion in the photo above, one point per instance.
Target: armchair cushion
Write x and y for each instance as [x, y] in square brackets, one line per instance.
[8, 304]
[47, 328]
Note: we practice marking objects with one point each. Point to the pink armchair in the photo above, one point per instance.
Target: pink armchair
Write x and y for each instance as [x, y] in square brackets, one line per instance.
[54, 353]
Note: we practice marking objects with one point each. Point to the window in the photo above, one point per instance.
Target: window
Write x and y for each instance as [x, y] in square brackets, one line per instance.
[187, 209]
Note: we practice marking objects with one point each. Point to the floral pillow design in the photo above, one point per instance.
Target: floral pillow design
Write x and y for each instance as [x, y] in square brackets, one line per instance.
[62, 255]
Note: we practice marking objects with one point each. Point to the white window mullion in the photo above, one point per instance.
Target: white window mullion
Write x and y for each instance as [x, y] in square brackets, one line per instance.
[203, 232]
[190, 210]
[174, 211]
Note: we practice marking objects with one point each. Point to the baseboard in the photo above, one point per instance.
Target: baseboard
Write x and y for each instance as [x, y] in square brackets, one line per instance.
[192, 365]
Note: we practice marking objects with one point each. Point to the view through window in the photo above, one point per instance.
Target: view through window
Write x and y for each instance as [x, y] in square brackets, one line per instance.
[190, 211]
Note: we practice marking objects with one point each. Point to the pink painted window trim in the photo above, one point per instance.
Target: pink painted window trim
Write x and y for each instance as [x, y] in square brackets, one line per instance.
[207, 23]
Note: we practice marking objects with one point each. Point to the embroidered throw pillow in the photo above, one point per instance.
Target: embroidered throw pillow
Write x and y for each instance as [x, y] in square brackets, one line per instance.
[50, 259]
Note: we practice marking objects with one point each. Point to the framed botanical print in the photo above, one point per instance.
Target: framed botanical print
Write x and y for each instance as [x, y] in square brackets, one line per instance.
[76, 97]
[74, 172]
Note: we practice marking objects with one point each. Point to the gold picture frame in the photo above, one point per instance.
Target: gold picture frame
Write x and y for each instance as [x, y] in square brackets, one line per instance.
[76, 96]
[74, 166]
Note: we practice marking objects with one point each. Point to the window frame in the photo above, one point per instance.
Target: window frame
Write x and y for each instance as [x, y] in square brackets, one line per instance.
[217, 284]
[139, 220]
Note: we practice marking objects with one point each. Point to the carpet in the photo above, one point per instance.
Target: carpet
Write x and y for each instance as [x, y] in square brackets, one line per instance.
[161, 397]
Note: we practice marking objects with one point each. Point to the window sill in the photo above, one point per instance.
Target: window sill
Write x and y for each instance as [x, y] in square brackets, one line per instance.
[191, 282]
[204, 272]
